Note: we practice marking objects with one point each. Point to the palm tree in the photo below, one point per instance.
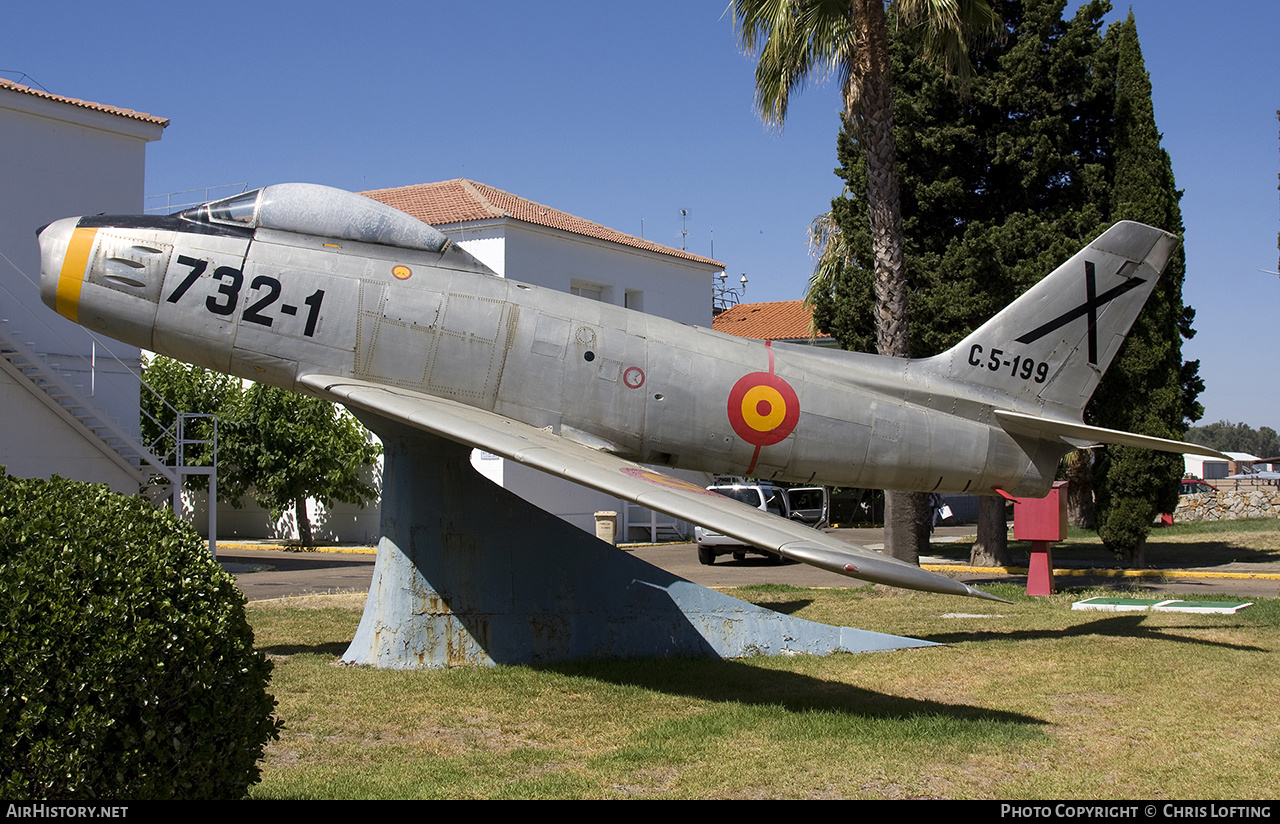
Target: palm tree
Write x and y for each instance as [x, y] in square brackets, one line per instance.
[796, 40]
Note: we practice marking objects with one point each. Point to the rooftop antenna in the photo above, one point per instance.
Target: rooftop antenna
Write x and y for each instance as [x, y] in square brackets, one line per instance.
[722, 295]
[684, 213]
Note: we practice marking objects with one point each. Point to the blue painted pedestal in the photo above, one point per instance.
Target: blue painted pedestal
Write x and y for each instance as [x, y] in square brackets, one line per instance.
[470, 574]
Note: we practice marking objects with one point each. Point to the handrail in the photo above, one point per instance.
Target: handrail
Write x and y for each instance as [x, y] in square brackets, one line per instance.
[59, 380]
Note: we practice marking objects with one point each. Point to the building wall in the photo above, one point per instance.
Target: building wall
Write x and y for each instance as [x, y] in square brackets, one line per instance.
[484, 240]
[62, 160]
[668, 287]
[36, 443]
[340, 524]
[660, 284]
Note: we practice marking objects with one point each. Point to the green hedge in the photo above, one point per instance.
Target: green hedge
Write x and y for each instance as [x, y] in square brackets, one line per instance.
[127, 668]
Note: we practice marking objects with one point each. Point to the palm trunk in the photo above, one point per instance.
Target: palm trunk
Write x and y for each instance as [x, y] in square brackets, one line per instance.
[873, 120]
[900, 518]
[1079, 475]
[992, 546]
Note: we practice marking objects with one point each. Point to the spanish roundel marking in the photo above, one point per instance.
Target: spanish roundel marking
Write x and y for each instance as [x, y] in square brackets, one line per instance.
[763, 408]
[401, 272]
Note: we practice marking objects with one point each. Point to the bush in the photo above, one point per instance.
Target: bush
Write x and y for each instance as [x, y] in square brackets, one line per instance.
[127, 668]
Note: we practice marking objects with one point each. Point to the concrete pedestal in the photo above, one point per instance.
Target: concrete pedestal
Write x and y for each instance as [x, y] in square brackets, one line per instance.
[468, 573]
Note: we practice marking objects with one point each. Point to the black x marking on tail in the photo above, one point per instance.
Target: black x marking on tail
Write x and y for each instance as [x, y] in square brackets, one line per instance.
[1090, 308]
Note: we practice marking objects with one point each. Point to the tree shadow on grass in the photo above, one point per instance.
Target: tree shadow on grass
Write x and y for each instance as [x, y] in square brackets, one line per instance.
[1160, 554]
[1206, 554]
[333, 649]
[1203, 554]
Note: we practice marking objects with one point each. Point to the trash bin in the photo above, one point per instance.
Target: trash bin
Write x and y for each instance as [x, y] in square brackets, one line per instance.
[607, 527]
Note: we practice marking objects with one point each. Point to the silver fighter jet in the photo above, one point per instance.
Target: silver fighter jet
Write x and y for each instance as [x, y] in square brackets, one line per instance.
[329, 293]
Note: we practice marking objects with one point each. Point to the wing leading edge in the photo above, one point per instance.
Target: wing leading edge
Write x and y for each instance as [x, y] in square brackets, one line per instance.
[615, 476]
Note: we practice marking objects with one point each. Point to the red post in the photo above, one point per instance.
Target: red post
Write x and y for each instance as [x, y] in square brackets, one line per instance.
[1041, 521]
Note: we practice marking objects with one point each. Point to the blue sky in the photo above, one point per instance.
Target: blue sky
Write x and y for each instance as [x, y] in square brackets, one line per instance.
[626, 113]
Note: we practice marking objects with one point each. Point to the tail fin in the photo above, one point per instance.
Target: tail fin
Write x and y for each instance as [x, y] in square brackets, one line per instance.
[1051, 346]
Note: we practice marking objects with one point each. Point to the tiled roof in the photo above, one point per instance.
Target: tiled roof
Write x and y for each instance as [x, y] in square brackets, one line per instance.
[779, 320]
[459, 201]
[84, 104]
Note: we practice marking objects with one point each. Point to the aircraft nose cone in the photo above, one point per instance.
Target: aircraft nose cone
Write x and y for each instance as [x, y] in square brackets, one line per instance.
[54, 242]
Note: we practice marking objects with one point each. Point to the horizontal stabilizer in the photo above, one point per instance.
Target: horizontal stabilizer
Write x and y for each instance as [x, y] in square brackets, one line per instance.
[1081, 435]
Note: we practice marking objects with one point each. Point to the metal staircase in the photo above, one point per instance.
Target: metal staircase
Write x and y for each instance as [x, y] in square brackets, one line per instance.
[51, 385]
[657, 527]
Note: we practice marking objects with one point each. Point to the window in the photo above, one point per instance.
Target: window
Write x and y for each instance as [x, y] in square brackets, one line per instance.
[582, 289]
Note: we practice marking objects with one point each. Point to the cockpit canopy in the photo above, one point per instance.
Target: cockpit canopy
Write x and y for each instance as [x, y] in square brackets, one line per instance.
[310, 209]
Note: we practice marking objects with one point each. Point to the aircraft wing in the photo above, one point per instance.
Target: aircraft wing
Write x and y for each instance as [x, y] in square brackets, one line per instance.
[612, 475]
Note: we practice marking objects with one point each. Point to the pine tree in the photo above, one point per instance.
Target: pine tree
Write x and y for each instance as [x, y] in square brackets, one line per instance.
[1226, 436]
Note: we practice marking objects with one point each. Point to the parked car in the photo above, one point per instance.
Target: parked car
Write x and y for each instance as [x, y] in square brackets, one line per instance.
[1195, 486]
[808, 505]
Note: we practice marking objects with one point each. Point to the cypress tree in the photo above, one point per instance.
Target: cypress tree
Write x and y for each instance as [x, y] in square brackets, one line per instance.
[1148, 389]
[1001, 185]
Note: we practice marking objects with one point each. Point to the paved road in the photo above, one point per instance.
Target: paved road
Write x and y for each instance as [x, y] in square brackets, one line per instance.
[271, 573]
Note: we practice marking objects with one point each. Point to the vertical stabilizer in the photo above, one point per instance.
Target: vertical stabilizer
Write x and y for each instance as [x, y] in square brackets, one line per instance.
[1051, 346]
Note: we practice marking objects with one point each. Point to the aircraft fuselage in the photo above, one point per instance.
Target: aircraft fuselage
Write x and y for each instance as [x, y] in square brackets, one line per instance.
[271, 306]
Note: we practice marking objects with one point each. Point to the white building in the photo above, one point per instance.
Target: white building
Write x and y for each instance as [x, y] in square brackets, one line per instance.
[1206, 468]
[536, 244]
[68, 407]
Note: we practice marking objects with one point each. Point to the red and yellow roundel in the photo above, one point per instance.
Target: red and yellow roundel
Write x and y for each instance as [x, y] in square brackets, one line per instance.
[763, 408]
[401, 272]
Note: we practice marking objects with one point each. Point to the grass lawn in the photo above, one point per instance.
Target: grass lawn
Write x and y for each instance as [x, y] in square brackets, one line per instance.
[1028, 700]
